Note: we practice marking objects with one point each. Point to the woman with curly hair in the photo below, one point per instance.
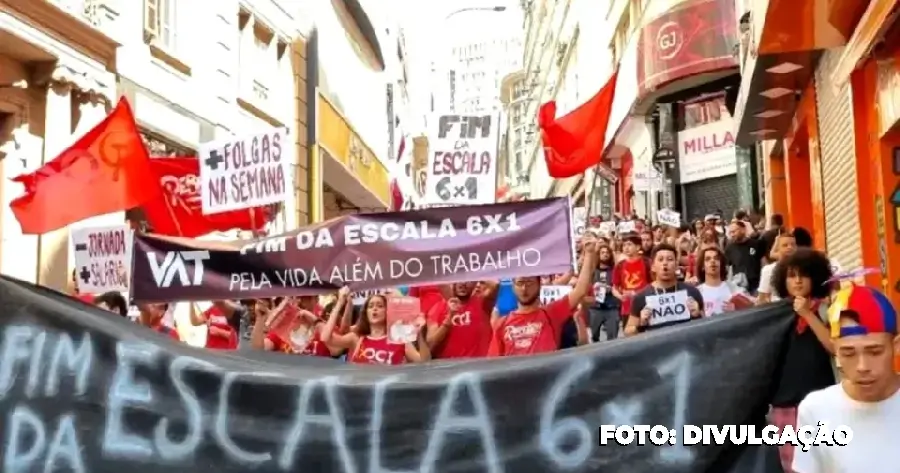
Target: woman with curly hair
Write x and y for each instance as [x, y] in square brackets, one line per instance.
[803, 277]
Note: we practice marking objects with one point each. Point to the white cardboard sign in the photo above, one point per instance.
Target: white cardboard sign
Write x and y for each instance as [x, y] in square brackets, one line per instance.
[668, 217]
[667, 308]
[245, 172]
[462, 160]
[552, 293]
[102, 258]
[579, 221]
[626, 226]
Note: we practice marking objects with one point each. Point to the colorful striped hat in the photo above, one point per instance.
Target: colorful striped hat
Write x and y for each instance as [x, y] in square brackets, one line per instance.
[870, 307]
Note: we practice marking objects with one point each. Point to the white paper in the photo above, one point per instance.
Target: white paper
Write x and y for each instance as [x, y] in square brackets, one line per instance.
[552, 293]
[102, 258]
[579, 221]
[246, 172]
[607, 228]
[668, 308]
[600, 291]
[668, 217]
[626, 226]
[462, 156]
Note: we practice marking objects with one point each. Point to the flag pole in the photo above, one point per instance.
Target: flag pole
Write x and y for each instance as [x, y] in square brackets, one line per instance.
[172, 215]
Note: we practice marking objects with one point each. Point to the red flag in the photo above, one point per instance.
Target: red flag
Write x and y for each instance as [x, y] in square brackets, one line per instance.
[106, 170]
[176, 210]
[573, 143]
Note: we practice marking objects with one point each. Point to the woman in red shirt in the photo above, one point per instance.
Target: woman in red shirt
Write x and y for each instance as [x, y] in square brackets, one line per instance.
[368, 342]
[221, 320]
[305, 333]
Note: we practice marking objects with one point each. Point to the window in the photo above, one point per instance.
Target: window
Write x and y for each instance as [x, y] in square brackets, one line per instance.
[159, 23]
[701, 112]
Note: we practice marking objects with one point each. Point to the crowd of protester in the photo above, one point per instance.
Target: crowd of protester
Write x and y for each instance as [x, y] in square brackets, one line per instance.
[721, 266]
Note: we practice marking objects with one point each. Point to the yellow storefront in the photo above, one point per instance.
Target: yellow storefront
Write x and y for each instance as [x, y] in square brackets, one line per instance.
[346, 176]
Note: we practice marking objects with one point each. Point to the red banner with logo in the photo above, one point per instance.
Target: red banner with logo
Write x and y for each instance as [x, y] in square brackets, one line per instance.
[695, 37]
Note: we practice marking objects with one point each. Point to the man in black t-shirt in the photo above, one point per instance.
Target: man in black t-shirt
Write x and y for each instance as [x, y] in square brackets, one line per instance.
[744, 254]
[675, 302]
[776, 225]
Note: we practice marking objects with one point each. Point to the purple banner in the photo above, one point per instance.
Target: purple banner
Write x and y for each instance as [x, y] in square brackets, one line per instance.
[366, 251]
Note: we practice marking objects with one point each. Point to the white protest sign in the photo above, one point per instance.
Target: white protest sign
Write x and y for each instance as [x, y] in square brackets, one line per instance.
[245, 172]
[668, 217]
[607, 228]
[626, 226]
[102, 258]
[668, 308]
[600, 290]
[579, 220]
[461, 167]
[359, 298]
[552, 293]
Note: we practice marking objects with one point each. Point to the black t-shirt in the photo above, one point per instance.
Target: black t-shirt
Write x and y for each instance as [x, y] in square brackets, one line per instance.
[806, 368]
[745, 258]
[767, 241]
[640, 301]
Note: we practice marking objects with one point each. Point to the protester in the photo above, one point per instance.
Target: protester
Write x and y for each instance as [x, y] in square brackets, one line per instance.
[533, 328]
[460, 327]
[744, 253]
[112, 301]
[718, 293]
[605, 310]
[783, 246]
[776, 227]
[152, 316]
[867, 400]
[804, 278]
[646, 243]
[642, 318]
[631, 274]
[223, 321]
[368, 342]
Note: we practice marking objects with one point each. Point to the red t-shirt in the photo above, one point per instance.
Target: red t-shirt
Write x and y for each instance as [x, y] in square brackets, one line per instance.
[379, 351]
[215, 318]
[630, 275]
[166, 330]
[429, 296]
[470, 335]
[315, 347]
[531, 333]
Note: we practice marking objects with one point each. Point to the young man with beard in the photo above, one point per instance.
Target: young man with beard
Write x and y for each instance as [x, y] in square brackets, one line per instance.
[533, 328]
[867, 400]
[460, 327]
[665, 263]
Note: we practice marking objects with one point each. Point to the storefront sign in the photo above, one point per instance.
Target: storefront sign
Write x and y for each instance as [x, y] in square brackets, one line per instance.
[695, 37]
[462, 160]
[707, 151]
[346, 146]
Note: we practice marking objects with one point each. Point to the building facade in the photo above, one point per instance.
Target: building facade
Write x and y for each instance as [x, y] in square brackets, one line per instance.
[669, 142]
[349, 132]
[822, 111]
[467, 77]
[65, 63]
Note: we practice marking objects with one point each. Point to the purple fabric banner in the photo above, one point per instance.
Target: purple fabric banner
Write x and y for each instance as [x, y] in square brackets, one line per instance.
[366, 251]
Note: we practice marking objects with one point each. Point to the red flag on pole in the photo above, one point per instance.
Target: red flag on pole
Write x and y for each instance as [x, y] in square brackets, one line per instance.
[107, 170]
[574, 142]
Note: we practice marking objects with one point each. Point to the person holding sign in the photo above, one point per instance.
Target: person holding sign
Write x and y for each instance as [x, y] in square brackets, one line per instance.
[535, 328]
[294, 330]
[666, 301]
[368, 342]
[604, 312]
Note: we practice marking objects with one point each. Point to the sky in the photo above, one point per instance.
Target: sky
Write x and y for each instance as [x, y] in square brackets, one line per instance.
[429, 34]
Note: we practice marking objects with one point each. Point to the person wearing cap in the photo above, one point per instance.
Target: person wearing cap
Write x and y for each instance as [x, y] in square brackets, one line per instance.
[867, 400]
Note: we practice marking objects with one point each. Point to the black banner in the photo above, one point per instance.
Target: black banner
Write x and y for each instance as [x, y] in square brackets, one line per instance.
[82, 391]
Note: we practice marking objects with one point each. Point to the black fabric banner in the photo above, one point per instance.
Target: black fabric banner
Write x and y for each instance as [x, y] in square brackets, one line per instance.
[82, 391]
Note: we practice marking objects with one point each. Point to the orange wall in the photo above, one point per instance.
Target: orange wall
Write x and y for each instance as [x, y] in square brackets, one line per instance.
[778, 186]
[874, 203]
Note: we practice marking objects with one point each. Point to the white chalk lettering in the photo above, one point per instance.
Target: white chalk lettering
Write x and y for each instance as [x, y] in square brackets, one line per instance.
[375, 424]
[679, 367]
[126, 391]
[333, 420]
[220, 429]
[553, 432]
[63, 451]
[34, 367]
[78, 361]
[15, 349]
[449, 421]
[168, 449]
